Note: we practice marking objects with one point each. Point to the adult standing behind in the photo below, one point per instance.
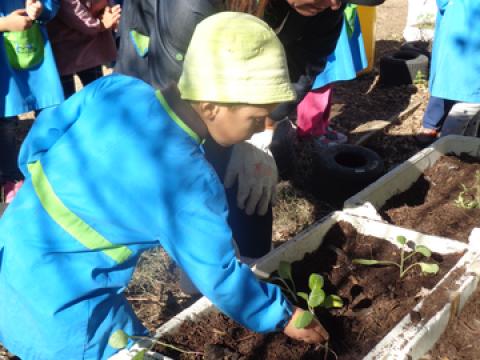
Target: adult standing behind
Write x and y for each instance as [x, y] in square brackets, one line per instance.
[28, 77]
[82, 40]
[455, 66]
[154, 36]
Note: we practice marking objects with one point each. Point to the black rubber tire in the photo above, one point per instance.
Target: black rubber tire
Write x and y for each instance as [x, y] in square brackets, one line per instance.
[340, 171]
[366, 2]
[421, 47]
[402, 67]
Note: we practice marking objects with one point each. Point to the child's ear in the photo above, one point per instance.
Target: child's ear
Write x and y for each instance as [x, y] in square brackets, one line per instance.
[208, 110]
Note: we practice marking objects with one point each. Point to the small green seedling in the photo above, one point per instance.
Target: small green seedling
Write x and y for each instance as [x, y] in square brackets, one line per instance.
[420, 78]
[119, 340]
[286, 279]
[470, 198]
[315, 298]
[427, 268]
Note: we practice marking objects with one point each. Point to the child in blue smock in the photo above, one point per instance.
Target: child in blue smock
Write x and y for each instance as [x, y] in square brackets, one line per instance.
[348, 58]
[119, 168]
[455, 66]
[28, 76]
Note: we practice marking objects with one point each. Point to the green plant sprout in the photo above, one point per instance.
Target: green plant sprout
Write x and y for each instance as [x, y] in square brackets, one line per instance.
[426, 268]
[119, 340]
[315, 298]
[426, 22]
[420, 78]
[470, 198]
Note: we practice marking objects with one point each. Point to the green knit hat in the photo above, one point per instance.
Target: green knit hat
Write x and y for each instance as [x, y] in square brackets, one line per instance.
[235, 58]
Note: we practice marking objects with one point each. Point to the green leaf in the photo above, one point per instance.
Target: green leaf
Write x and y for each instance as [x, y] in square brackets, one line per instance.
[365, 262]
[422, 249]
[285, 270]
[303, 295]
[402, 240]
[315, 281]
[333, 301]
[140, 355]
[429, 268]
[118, 340]
[316, 297]
[303, 320]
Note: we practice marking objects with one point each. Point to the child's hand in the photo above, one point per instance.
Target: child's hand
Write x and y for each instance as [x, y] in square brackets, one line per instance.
[34, 8]
[17, 20]
[111, 17]
[314, 333]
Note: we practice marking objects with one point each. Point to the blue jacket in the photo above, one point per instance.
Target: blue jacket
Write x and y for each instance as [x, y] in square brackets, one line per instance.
[349, 56]
[455, 68]
[34, 89]
[109, 173]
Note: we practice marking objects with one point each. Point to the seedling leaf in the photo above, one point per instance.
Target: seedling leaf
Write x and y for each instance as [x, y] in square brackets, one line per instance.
[316, 297]
[402, 240]
[423, 250]
[315, 281]
[303, 320]
[333, 301]
[429, 268]
[303, 295]
[285, 270]
[140, 355]
[118, 340]
[366, 262]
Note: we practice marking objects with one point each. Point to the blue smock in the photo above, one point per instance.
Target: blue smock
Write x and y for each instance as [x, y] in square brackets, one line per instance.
[349, 56]
[109, 173]
[455, 67]
[37, 88]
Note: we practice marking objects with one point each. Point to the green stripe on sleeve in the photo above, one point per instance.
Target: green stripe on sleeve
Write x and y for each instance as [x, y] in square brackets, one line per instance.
[71, 223]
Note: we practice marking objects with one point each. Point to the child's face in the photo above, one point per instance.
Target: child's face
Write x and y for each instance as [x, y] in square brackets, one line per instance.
[314, 7]
[234, 124]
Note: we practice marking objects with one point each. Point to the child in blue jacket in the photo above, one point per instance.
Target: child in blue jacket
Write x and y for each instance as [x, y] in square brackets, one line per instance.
[28, 75]
[119, 168]
[455, 66]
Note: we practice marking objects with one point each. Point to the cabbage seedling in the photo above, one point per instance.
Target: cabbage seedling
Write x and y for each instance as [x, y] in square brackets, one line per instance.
[315, 298]
[119, 340]
[470, 198]
[427, 268]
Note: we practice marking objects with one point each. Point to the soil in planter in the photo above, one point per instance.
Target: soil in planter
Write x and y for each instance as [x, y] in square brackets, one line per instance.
[460, 340]
[375, 300]
[428, 206]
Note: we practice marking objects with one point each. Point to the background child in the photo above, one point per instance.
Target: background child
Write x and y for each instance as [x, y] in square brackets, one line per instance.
[348, 58]
[28, 77]
[82, 40]
[455, 65]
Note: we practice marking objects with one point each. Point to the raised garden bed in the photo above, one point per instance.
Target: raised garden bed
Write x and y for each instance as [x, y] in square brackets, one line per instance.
[421, 194]
[381, 314]
[460, 340]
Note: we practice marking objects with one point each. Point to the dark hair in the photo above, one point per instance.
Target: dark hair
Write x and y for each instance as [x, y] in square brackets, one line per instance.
[254, 7]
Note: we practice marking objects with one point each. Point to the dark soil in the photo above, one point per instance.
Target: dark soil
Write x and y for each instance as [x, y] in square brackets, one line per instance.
[375, 299]
[460, 341]
[428, 206]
